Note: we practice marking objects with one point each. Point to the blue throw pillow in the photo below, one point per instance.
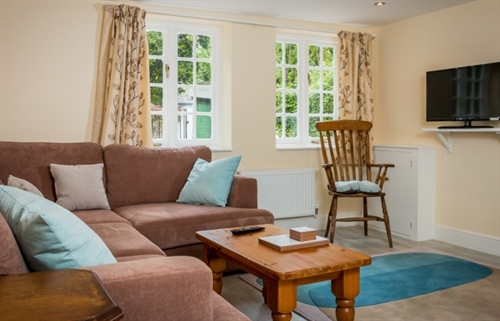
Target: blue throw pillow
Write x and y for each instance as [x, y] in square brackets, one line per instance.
[210, 183]
[368, 187]
[49, 236]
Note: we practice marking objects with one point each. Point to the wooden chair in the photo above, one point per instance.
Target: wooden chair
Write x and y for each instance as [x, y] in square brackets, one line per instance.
[345, 146]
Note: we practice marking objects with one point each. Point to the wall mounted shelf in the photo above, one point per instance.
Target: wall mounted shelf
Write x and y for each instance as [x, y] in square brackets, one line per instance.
[447, 141]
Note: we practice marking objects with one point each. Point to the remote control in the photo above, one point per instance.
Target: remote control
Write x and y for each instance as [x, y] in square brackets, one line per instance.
[248, 229]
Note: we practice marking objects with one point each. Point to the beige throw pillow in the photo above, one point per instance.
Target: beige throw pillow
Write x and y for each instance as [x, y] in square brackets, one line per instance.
[24, 185]
[79, 187]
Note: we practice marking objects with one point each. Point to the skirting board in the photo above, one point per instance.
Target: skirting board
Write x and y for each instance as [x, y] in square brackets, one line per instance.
[482, 243]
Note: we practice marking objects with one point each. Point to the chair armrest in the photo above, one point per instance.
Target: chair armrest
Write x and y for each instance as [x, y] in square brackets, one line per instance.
[163, 288]
[243, 193]
[381, 176]
[380, 165]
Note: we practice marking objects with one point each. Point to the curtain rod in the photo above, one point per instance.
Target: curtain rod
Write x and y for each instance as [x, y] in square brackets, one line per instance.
[259, 24]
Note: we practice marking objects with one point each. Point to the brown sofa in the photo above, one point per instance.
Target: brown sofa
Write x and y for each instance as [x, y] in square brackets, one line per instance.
[143, 225]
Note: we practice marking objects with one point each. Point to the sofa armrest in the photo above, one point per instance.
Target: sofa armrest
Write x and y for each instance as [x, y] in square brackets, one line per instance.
[243, 192]
[163, 288]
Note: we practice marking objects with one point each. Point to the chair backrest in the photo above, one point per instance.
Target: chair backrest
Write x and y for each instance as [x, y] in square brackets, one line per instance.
[345, 146]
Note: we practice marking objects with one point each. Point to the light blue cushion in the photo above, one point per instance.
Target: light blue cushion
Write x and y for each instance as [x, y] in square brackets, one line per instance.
[368, 187]
[357, 186]
[209, 183]
[347, 186]
[49, 236]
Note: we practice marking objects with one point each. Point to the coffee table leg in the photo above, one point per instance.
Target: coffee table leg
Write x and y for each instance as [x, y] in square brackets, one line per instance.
[217, 265]
[345, 289]
[281, 299]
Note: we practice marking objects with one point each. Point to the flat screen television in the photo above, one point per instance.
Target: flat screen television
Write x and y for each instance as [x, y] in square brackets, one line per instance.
[470, 93]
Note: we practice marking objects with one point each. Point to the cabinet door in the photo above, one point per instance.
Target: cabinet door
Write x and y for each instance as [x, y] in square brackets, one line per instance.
[400, 190]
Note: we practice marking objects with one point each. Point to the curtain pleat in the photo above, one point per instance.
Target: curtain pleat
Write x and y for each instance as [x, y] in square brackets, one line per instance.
[122, 113]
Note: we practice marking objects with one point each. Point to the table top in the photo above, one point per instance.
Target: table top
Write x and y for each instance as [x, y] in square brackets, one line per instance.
[68, 294]
[289, 265]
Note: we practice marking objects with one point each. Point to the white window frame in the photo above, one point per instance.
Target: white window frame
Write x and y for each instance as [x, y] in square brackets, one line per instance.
[170, 29]
[303, 41]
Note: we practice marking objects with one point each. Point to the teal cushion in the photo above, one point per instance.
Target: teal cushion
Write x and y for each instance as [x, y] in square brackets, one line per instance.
[357, 186]
[49, 236]
[209, 183]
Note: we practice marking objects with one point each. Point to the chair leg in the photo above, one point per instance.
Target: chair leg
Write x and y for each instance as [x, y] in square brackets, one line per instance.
[365, 214]
[333, 213]
[329, 221]
[386, 221]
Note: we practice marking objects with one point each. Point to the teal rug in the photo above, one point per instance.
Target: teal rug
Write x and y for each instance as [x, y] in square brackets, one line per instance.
[403, 278]
[400, 276]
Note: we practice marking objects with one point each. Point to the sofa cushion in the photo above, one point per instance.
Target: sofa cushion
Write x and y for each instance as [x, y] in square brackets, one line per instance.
[24, 185]
[118, 234]
[79, 187]
[170, 225]
[209, 183]
[31, 161]
[11, 260]
[139, 175]
[49, 236]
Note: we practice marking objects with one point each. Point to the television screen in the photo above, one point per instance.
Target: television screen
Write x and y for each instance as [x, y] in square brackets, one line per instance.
[464, 94]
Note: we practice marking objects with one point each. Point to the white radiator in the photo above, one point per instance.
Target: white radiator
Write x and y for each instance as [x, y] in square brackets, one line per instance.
[286, 193]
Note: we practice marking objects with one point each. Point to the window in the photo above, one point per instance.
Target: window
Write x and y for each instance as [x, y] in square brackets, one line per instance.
[184, 76]
[305, 87]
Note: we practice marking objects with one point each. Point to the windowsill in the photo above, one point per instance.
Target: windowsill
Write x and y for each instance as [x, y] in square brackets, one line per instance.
[297, 147]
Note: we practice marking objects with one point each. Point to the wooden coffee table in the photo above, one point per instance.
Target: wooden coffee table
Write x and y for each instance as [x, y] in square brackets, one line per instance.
[282, 272]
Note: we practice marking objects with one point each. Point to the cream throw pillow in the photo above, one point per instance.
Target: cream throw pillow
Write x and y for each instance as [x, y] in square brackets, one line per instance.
[79, 187]
[24, 185]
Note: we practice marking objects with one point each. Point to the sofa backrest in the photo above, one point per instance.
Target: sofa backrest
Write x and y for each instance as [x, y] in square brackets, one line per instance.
[139, 175]
[11, 260]
[31, 161]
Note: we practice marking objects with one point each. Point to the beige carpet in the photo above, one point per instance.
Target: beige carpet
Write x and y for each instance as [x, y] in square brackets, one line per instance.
[476, 301]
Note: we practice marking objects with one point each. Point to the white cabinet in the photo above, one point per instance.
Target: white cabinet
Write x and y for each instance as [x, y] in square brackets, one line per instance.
[410, 190]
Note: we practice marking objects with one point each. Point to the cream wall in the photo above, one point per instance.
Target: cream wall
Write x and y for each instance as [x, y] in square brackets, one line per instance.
[468, 179]
[48, 56]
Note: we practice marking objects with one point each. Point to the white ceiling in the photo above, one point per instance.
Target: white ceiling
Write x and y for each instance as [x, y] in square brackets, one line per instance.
[352, 12]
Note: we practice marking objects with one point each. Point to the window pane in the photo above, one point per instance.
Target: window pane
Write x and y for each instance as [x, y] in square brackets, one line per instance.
[203, 104]
[279, 127]
[312, 128]
[291, 103]
[314, 79]
[328, 80]
[279, 77]
[328, 103]
[279, 102]
[184, 45]
[314, 103]
[155, 42]
[291, 54]
[279, 52]
[155, 71]
[291, 127]
[203, 47]
[157, 126]
[184, 99]
[185, 72]
[314, 56]
[291, 78]
[156, 98]
[185, 126]
[203, 73]
[203, 127]
[328, 58]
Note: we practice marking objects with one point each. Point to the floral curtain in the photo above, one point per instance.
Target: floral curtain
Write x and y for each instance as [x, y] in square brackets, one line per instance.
[355, 76]
[122, 112]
